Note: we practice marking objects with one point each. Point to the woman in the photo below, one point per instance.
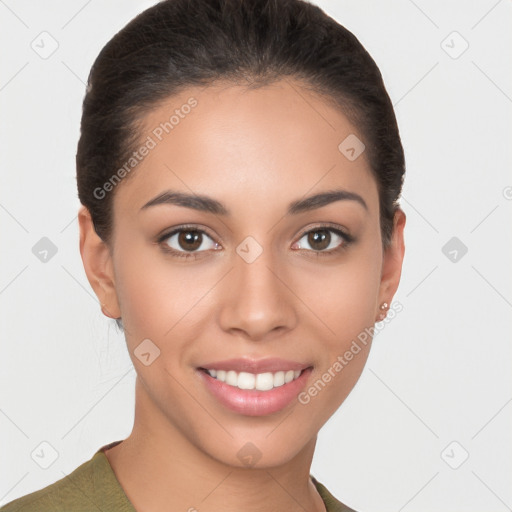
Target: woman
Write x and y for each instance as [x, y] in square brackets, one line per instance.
[239, 169]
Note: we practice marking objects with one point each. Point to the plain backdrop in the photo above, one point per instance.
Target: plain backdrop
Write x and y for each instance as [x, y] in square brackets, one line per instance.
[428, 425]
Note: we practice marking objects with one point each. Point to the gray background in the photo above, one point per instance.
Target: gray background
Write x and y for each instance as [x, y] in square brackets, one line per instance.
[428, 425]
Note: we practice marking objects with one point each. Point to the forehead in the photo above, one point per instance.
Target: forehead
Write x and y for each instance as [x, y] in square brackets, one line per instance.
[267, 144]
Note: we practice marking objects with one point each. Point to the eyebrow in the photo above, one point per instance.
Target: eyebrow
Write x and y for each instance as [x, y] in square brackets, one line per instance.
[208, 204]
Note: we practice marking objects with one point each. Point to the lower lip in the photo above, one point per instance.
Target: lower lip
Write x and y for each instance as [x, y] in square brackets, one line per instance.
[252, 402]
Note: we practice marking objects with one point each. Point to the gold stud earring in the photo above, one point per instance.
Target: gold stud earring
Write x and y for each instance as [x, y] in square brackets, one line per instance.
[384, 306]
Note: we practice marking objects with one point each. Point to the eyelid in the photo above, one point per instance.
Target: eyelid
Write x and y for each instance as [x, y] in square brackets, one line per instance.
[184, 227]
[328, 225]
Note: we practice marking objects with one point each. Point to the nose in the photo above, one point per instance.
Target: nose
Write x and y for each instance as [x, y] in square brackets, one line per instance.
[257, 302]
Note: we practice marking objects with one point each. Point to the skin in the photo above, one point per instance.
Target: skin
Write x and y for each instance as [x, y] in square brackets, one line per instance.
[255, 151]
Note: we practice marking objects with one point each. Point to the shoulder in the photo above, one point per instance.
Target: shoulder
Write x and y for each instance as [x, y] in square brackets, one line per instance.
[331, 503]
[55, 497]
[88, 488]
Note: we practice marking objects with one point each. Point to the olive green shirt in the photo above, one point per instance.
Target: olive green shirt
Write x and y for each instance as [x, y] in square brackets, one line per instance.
[93, 487]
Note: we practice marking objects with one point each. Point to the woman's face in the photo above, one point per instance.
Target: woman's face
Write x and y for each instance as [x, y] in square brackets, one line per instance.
[267, 273]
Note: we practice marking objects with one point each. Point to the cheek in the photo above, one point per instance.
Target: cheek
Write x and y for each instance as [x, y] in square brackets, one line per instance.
[152, 292]
[161, 299]
[346, 306]
[343, 296]
[344, 299]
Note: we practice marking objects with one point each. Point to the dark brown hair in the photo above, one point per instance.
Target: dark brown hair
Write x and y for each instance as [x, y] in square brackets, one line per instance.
[176, 44]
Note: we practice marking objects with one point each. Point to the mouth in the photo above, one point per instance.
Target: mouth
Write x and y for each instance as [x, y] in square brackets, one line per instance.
[254, 388]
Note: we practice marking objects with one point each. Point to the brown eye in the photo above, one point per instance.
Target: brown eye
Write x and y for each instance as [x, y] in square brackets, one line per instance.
[325, 240]
[319, 239]
[190, 240]
[187, 240]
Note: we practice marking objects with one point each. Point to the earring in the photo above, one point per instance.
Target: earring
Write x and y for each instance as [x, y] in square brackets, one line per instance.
[384, 306]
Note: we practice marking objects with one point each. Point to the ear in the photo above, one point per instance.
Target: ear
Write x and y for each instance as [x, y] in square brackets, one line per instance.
[97, 260]
[392, 262]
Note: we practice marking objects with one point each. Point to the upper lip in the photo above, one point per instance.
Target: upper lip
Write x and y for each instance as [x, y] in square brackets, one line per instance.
[255, 365]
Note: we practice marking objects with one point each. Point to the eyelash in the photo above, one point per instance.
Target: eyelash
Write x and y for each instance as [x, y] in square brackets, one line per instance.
[347, 241]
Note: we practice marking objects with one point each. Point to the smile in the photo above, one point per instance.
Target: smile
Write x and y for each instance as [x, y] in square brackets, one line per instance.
[254, 388]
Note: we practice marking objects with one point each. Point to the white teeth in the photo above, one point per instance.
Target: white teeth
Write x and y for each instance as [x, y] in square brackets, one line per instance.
[231, 378]
[246, 380]
[264, 381]
[278, 379]
[260, 381]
